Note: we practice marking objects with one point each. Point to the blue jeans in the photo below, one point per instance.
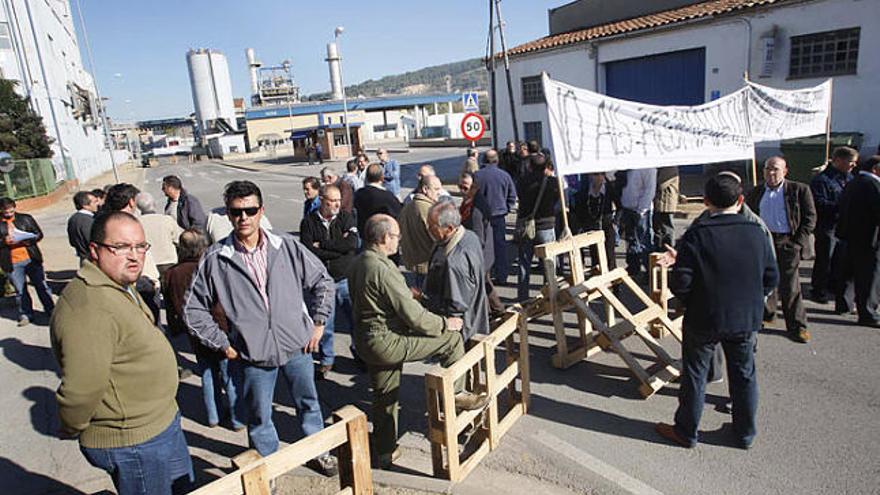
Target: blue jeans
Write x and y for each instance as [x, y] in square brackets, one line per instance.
[259, 390]
[341, 309]
[696, 359]
[499, 242]
[637, 233]
[34, 271]
[526, 253]
[159, 466]
[217, 378]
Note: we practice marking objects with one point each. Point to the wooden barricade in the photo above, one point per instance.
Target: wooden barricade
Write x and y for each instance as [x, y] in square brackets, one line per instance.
[446, 425]
[582, 286]
[349, 433]
[660, 294]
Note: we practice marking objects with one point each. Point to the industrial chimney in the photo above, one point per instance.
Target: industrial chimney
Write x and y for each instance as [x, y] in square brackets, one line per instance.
[253, 65]
[335, 75]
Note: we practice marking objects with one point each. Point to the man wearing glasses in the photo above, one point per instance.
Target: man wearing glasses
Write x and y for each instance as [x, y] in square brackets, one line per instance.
[277, 297]
[118, 371]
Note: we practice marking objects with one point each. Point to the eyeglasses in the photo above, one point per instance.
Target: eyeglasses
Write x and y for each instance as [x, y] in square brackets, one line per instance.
[250, 210]
[124, 249]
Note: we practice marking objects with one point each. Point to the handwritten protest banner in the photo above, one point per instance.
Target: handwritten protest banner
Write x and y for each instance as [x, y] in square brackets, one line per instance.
[784, 114]
[592, 132]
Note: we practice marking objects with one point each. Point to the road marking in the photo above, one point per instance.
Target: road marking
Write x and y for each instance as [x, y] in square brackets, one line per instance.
[275, 196]
[595, 465]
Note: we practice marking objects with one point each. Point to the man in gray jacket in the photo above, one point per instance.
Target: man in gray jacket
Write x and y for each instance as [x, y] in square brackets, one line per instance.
[275, 322]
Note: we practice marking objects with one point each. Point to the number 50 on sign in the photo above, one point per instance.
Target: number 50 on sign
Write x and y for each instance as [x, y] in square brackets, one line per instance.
[473, 126]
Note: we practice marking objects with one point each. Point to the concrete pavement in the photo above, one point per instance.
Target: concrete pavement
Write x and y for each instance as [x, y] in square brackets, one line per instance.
[587, 431]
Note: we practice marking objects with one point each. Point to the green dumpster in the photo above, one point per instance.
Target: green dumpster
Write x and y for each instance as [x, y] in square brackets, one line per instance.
[805, 155]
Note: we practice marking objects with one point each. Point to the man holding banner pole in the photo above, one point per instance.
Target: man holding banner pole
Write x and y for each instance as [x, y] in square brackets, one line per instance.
[787, 208]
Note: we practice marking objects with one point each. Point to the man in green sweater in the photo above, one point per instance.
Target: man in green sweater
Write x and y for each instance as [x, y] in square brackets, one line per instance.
[118, 371]
[393, 328]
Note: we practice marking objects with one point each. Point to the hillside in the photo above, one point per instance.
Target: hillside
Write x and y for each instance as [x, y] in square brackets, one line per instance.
[468, 75]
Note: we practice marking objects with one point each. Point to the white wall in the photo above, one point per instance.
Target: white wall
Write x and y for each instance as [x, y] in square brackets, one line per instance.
[80, 141]
[725, 43]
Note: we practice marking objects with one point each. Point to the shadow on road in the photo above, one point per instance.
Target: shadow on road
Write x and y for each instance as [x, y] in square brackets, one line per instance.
[43, 411]
[29, 357]
[26, 482]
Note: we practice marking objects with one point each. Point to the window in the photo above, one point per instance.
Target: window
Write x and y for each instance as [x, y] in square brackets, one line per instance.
[830, 53]
[532, 131]
[532, 90]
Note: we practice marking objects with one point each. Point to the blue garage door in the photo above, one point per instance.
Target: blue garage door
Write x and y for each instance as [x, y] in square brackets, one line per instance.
[674, 78]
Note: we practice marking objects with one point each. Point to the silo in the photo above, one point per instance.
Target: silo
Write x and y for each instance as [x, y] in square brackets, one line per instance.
[211, 88]
[335, 75]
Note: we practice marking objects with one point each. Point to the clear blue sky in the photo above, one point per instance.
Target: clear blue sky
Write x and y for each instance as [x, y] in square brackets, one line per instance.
[140, 47]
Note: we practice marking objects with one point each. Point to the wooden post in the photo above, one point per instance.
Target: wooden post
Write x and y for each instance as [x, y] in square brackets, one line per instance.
[566, 230]
[255, 481]
[354, 456]
[828, 122]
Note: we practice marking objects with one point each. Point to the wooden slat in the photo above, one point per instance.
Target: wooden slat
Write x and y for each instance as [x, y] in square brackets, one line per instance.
[573, 243]
[354, 456]
[255, 481]
[507, 422]
[524, 371]
[493, 387]
[472, 462]
[659, 380]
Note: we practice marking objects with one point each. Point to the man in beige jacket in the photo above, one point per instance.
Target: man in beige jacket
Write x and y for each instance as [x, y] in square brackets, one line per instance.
[416, 243]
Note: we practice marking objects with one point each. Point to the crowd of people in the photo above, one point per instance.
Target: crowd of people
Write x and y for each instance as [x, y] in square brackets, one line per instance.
[410, 279]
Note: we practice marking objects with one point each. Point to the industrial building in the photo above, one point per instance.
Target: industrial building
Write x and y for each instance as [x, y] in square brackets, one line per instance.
[39, 49]
[217, 129]
[679, 52]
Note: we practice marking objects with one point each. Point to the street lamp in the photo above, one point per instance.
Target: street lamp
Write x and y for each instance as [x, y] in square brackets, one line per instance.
[286, 65]
[336, 33]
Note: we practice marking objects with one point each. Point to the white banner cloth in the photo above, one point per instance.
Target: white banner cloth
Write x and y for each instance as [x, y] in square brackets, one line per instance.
[592, 132]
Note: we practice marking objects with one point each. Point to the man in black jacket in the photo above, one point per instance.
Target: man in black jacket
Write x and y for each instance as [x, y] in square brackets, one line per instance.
[787, 208]
[183, 207]
[330, 233]
[79, 225]
[373, 198]
[20, 258]
[723, 269]
[827, 187]
[859, 227]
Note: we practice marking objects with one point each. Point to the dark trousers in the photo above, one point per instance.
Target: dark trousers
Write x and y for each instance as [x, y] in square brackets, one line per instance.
[664, 230]
[867, 282]
[696, 359]
[605, 223]
[821, 279]
[842, 278]
[788, 259]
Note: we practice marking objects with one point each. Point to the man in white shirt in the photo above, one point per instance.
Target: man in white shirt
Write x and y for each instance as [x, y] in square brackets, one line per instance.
[637, 200]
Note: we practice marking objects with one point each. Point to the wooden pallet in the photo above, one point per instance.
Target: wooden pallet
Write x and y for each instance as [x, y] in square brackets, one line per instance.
[446, 425]
[581, 286]
[348, 433]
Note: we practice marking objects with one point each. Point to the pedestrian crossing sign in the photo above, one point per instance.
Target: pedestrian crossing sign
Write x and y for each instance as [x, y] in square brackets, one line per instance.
[471, 102]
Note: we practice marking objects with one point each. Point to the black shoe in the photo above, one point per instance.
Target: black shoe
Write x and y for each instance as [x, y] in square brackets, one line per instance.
[820, 298]
[326, 465]
[869, 323]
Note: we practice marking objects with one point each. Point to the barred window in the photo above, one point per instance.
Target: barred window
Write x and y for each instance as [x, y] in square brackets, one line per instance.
[830, 53]
[533, 132]
[532, 90]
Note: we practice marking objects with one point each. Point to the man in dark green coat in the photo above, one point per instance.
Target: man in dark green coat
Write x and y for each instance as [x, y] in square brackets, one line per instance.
[392, 328]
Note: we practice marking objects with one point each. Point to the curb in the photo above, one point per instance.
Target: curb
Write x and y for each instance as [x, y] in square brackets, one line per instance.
[40, 202]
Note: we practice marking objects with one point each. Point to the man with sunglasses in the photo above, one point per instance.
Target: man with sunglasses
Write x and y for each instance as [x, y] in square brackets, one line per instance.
[118, 371]
[277, 297]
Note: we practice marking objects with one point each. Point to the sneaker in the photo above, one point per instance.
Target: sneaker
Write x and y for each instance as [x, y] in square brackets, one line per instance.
[325, 464]
[802, 335]
[467, 401]
[24, 321]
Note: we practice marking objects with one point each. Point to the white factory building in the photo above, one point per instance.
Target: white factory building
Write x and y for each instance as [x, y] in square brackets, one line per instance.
[679, 52]
[39, 49]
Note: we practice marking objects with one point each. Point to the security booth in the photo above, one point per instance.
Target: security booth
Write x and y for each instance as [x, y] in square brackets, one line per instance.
[332, 140]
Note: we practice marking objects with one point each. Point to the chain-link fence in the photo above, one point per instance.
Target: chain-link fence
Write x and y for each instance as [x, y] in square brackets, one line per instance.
[28, 179]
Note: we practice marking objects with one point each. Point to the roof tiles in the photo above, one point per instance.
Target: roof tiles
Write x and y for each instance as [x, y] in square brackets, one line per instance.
[696, 11]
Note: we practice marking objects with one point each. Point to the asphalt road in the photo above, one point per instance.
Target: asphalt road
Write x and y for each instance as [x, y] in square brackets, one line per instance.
[588, 430]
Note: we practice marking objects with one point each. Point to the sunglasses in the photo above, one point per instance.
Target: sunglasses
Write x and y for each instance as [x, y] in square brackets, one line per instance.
[250, 210]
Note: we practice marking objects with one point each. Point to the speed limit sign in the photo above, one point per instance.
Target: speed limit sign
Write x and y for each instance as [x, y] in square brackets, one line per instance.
[473, 126]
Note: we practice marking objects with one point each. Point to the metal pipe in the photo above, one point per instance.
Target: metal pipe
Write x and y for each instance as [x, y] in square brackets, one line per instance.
[492, 66]
[507, 71]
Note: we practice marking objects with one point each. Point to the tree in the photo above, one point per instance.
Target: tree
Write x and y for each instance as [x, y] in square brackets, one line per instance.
[22, 133]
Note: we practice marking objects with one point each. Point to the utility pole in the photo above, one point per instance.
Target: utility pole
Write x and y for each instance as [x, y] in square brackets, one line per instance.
[507, 70]
[490, 65]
